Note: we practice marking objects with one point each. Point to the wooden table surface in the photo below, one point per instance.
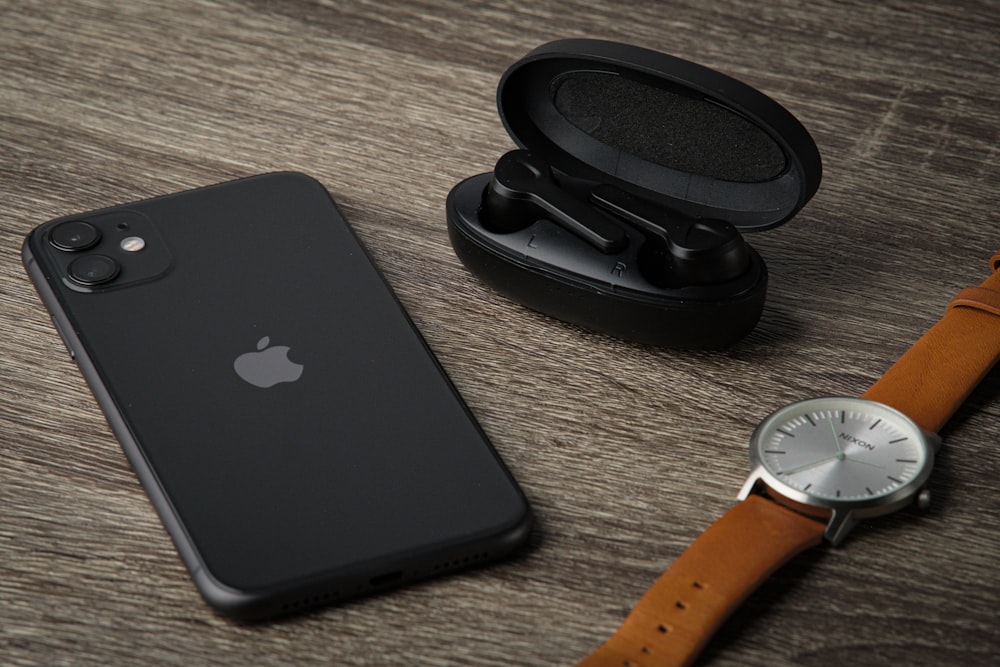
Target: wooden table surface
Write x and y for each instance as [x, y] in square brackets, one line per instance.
[626, 452]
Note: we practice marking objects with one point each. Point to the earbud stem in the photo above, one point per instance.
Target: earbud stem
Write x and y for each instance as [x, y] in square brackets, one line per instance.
[700, 251]
[520, 177]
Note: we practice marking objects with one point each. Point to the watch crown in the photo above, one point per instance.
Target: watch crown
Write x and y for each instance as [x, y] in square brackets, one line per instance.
[924, 500]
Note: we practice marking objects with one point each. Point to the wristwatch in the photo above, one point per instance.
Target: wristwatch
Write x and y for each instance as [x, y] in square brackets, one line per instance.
[818, 466]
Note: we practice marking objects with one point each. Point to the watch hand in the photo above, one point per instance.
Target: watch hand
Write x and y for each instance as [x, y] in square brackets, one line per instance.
[810, 465]
[867, 463]
[836, 440]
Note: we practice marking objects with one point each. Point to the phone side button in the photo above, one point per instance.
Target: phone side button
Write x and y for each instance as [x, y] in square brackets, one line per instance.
[69, 348]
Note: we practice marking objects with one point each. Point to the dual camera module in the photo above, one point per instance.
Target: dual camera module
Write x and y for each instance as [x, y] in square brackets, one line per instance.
[104, 251]
[89, 269]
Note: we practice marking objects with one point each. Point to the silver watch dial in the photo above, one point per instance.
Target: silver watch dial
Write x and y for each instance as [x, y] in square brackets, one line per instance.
[842, 452]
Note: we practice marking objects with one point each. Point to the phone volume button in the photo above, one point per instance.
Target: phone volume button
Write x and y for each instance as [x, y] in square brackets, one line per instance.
[65, 340]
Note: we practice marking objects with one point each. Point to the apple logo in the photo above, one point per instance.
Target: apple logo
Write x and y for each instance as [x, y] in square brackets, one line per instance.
[267, 367]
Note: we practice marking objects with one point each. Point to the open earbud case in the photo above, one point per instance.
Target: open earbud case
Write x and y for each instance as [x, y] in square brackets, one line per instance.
[623, 208]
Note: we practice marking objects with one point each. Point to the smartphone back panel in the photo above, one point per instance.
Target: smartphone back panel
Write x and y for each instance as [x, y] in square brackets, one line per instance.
[293, 430]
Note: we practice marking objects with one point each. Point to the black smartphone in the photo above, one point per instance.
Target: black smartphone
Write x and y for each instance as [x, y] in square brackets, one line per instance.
[294, 432]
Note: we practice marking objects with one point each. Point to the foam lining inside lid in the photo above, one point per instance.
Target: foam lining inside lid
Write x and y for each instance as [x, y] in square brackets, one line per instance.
[665, 126]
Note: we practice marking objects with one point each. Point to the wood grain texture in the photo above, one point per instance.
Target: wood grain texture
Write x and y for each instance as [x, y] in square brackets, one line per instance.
[626, 452]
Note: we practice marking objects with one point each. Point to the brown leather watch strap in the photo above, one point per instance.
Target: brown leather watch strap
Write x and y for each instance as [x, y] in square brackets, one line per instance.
[935, 376]
[680, 612]
[676, 617]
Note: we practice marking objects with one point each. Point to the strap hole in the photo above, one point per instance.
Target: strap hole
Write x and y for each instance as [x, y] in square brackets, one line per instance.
[697, 584]
[645, 649]
[680, 605]
[663, 629]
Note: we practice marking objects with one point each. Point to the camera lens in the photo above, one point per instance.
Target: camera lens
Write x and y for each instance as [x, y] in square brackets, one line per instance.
[74, 236]
[93, 269]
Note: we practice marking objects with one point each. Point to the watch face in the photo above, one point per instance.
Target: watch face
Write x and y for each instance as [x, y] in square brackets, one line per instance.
[842, 452]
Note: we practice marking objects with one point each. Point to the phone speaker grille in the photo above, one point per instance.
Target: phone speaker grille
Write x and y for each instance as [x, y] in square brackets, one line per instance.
[309, 602]
[461, 562]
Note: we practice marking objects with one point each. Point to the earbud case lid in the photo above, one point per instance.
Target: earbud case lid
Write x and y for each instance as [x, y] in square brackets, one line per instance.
[665, 129]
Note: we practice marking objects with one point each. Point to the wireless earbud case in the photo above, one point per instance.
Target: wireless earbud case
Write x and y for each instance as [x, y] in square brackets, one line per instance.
[628, 129]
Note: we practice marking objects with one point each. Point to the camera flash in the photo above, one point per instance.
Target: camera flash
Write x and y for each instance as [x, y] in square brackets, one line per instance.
[133, 244]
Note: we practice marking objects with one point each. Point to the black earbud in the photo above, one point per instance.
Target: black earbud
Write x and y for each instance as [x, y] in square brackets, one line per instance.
[678, 250]
[522, 191]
